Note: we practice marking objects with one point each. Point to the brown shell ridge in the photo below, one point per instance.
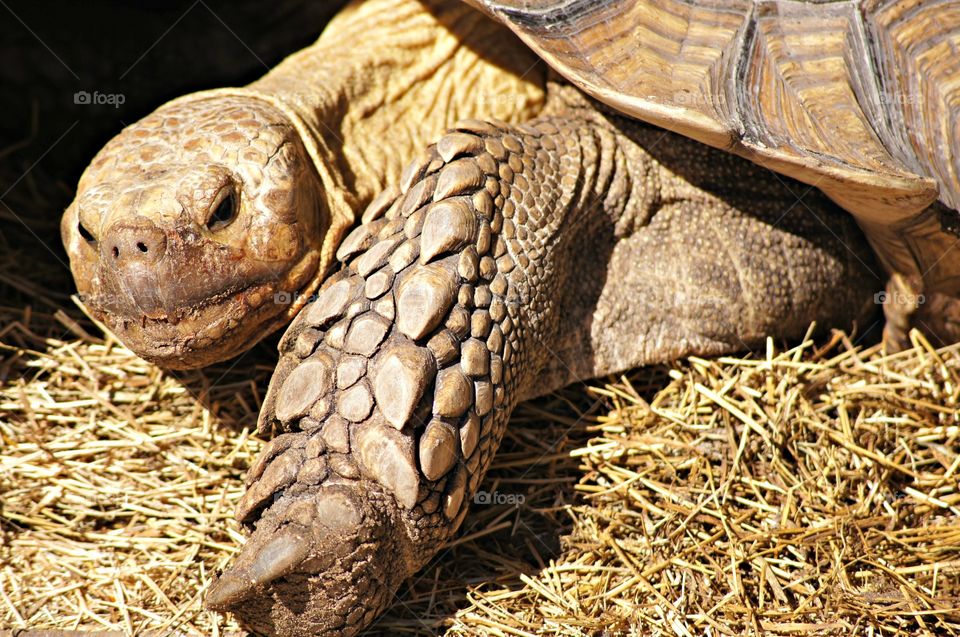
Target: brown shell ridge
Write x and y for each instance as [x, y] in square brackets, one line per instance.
[741, 75]
[597, 54]
[916, 45]
[809, 95]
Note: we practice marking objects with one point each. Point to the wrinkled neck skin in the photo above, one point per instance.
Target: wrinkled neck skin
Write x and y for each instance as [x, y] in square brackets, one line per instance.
[302, 150]
[386, 78]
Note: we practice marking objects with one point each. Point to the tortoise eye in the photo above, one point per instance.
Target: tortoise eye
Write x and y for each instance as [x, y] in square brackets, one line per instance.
[223, 213]
[86, 234]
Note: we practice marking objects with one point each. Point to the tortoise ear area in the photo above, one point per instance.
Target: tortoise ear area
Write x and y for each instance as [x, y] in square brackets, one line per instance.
[289, 183]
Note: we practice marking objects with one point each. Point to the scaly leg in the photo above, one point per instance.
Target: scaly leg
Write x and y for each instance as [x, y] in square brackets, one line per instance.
[514, 261]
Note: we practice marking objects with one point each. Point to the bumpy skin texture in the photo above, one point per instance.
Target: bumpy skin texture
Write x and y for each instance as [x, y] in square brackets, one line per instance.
[198, 230]
[854, 98]
[512, 261]
[504, 262]
[221, 212]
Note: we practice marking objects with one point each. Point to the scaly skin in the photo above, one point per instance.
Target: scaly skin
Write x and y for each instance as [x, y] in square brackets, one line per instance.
[185, 281]
[501, 264]
[513, 261]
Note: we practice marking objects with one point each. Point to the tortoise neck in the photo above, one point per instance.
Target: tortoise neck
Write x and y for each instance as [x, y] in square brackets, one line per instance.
[385, 78]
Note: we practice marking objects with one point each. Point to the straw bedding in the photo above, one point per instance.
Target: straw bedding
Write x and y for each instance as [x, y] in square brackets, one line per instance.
[811, 490]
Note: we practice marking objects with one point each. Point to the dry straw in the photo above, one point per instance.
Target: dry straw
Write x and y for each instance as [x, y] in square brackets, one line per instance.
[811, 491]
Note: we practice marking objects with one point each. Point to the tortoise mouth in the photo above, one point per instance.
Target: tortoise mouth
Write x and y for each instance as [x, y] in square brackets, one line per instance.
[203, 335]
[220, 327]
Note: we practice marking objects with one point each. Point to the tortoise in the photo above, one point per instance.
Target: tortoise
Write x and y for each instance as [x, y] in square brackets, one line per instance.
[646, 194]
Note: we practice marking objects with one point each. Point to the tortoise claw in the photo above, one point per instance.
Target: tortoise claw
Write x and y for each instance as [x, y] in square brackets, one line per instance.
[271, 560]
[323, 561]
[229, 589]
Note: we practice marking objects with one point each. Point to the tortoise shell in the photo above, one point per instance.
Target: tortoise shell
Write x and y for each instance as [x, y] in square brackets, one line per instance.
[857, 97]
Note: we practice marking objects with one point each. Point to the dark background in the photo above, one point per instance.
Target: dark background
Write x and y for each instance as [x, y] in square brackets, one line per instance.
[145, 52]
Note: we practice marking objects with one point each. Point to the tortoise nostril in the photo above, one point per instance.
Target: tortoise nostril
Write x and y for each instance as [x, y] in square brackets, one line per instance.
[134, 243]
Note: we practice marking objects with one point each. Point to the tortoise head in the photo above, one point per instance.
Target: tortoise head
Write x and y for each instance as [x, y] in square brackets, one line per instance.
[198, 230]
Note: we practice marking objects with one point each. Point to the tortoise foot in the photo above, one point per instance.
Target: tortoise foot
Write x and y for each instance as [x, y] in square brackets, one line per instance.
[323, 559]
[907, 306]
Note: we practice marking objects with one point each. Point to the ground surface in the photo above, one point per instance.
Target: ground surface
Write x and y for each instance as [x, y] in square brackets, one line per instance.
[813, 490]
[809, 490]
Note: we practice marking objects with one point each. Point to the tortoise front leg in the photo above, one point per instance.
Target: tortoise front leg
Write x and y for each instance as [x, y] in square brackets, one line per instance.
[907, 307]
[471, 290]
